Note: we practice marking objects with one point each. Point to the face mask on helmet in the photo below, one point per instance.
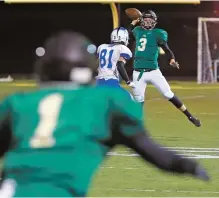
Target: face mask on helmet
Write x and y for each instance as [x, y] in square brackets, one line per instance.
[120, 36]
[148, 21]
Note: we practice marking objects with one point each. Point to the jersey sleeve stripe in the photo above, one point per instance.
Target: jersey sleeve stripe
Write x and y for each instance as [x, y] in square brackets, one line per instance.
[125, 56]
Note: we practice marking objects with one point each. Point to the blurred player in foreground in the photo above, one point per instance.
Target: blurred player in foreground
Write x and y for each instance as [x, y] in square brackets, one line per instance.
[112, 59]
[146, 70]
[62, 132]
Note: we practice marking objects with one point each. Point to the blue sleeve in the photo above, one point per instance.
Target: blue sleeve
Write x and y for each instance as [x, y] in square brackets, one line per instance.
[126, 53]
[125, 56]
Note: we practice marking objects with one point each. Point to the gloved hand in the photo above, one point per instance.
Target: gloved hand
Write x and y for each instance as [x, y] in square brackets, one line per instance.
[201, 173]
[174, 64]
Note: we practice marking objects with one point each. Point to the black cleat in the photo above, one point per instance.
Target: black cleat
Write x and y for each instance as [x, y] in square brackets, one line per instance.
[195, 121]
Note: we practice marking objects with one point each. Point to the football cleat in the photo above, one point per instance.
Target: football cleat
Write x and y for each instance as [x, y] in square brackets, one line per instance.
[195, 121]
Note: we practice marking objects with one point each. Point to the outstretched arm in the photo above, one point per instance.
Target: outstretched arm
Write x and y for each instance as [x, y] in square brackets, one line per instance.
[163, 158]
[127, 128]
[162, 42]
[160, 157]
[170, 55]
[167, 51]
[131, 27]
[150, 151]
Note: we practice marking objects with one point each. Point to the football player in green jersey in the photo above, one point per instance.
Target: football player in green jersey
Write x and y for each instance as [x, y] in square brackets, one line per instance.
[64, 130]
[146, 69]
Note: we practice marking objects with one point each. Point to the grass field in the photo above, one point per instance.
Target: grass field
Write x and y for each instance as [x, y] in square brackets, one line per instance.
[124, 174]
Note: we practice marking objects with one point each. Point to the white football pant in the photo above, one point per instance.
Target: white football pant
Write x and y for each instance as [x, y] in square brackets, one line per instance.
[154, 77]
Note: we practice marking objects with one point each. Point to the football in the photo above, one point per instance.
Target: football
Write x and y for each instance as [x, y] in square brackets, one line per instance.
[133, 13]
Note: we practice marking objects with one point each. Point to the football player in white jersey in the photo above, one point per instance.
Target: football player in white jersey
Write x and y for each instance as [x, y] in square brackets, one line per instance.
[112, 59]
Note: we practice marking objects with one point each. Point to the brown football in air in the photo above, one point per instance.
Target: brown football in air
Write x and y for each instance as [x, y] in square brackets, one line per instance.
[133, 13]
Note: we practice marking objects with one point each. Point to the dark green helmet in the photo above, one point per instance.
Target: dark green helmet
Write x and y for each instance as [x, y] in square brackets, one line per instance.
[69, 56]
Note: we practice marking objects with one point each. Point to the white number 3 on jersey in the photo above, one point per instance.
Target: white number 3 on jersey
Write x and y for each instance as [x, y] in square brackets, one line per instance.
[142, 46]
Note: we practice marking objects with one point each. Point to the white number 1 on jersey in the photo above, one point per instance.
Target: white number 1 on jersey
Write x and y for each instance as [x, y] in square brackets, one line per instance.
[49, 109]
[142, 46]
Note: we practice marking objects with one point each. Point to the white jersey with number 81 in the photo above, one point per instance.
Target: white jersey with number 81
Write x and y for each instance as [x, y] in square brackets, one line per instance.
[109, 55]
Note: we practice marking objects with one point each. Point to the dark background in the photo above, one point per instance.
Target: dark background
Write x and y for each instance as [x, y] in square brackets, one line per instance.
[24, 28]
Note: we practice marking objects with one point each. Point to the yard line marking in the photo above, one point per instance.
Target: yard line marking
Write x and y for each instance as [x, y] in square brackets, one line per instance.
[156, 190]
[193, 156]
[184, 87]
[195, 153]
[202, 157]
[188, 148]
[204, 113]
[107, 167]
[183, 98]
[193, 148]
[127, 168]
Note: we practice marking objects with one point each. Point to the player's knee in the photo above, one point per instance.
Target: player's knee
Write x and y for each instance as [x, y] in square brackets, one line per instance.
[168, 95]
[139, 98]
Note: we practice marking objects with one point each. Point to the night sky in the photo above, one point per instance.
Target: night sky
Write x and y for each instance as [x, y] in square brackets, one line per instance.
[24, 28]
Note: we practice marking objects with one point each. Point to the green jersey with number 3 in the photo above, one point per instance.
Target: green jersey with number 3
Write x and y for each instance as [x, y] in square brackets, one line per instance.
[59, 136]
[147, 47]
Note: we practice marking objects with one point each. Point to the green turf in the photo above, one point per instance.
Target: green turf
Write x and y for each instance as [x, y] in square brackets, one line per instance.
[129, 176]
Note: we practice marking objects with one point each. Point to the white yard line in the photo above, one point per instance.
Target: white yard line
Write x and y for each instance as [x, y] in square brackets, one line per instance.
[212, 114]
[187, 149]
[184, 87]
[191, 153]
[173, 86]
[200, 113]
[183, 98]
[156, 190]
[193, 148]
[194, 156]
[128, 168]
[196, 153]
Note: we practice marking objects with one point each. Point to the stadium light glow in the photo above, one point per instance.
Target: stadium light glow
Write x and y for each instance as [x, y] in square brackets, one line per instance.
[106, 1]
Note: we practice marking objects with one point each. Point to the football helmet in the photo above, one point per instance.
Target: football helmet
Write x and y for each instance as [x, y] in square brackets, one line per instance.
[148, 20]
[69, 56]
[120, 35]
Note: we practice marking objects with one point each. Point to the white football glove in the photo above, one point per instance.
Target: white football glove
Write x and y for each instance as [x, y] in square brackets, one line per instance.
[131, 84]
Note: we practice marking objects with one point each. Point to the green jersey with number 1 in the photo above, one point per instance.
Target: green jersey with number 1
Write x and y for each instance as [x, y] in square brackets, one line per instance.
[59, 137]
[147, 47]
